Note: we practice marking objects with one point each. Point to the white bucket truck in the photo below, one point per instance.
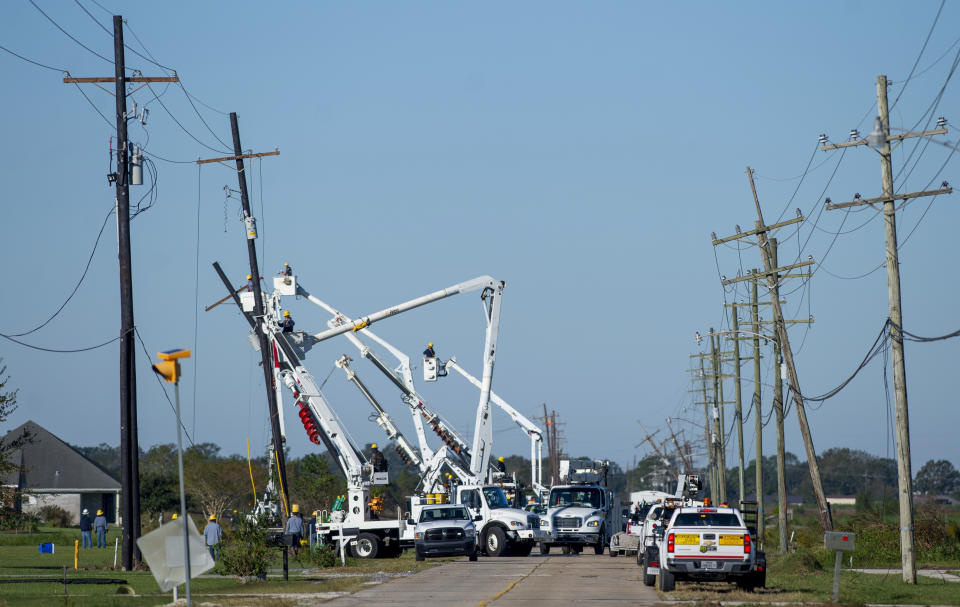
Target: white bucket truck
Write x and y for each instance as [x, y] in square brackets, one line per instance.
[581, 511]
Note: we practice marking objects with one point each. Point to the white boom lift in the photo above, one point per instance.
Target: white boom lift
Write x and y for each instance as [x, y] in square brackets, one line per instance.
[530, 429]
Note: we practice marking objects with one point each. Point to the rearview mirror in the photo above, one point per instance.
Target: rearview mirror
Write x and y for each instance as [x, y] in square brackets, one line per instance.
[410, 521]
[478, 518]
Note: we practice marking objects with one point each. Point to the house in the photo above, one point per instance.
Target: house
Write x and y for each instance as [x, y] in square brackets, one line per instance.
[54, 473]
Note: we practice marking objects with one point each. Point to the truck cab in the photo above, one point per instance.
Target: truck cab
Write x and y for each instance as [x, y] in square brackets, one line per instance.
[578, 516]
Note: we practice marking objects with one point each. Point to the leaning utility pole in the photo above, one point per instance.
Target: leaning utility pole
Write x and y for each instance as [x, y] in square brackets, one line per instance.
[880, 140]
[129, 442]
[738, 398]
[778, 412]
[770, 272]
[758, 422]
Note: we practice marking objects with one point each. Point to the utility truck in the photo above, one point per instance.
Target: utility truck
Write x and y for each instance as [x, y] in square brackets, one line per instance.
[706, 543]
[581, 511]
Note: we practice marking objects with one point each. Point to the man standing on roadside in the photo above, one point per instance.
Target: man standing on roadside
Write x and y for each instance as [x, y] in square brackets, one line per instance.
[100, 526]
[212, 533]
[85, 526]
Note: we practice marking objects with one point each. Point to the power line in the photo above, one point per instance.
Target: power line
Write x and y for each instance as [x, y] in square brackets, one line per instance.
[68, 35]
[37, 63]
[922, 48]
[76, 287]
[58, 351]
[169, 113]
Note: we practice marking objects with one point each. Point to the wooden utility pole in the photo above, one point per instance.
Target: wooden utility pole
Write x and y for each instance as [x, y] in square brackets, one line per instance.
[738, 398]
[770, 272]
[718, 431]
[757, 409]
[709, 442]
[129, 442]
[881, 143]
[778, 412]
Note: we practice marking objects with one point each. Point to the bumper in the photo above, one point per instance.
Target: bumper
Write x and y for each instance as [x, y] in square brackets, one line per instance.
[566, 537]
[704, 569]
[452, 548]
[536, 535]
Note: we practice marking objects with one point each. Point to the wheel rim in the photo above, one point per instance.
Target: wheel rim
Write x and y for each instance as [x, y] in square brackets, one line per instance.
[364, 547]
[492, 542]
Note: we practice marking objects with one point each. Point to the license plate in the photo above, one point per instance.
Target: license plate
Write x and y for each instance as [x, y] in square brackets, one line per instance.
[708, 565]
[731, 540]
[653, 570]
[687, 538]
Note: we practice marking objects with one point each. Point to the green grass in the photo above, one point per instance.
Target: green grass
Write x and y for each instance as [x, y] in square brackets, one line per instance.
[19, 559]
[798, 578]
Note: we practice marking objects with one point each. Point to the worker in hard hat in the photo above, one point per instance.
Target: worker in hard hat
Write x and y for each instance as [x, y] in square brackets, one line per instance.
[212, 535]
[295, 527]
[312, 527]
[174, 517]
[286, 270]
[86, 525]
[377, 459]
[287, 324]
[250, 284]
[100, 526]
[429, 352]
[500, 466]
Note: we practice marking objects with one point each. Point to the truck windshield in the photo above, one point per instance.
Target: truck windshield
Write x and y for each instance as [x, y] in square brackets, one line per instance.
[495, 497]
[452, 513]
[583, 497]
[706, 519]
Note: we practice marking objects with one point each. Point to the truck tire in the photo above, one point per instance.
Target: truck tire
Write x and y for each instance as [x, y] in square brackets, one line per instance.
[648, 579]
[566, 549]
[544, 548]
[522, 548]
[495, 542]
[419, 555]
[665, 581]
[745, 582]
[760, 579]
[473, 555]
[601, 542]
[366, 546]
[613, 552]
[644, 559]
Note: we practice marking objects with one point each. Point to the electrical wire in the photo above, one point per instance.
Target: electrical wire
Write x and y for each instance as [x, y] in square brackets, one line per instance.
[183, 128]
[59, 351]
[93, 105]
[922, 49]
[68, 35]
[37, 63]
[77, 286]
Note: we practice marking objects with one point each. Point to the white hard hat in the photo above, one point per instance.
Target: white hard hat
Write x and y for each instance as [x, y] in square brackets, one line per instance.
[85, 511]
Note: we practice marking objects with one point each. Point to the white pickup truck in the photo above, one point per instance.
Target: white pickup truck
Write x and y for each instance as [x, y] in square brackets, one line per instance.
[705, 543]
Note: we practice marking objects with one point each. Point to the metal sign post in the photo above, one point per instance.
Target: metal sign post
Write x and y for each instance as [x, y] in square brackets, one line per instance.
[839, 541]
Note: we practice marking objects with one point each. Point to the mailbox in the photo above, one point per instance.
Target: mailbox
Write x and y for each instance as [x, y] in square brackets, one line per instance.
[839, 540]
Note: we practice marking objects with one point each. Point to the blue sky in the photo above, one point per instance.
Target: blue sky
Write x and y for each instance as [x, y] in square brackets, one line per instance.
[583, 153]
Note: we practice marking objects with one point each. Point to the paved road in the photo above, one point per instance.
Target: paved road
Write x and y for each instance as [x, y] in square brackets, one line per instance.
[585, 579]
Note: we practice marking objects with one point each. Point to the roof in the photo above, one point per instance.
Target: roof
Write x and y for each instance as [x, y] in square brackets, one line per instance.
[51, 464]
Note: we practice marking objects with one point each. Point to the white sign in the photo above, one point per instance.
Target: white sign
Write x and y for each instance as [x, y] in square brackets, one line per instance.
[162, 549]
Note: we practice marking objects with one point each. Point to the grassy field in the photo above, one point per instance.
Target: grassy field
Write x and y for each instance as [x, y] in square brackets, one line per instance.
[19, 560]
[797, 578]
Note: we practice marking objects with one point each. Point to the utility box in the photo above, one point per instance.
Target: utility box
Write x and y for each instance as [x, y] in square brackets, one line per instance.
[247, 301]
[430, 367]
[839, 540]
[285, 285]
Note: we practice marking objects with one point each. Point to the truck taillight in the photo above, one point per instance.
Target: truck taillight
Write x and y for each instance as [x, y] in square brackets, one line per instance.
[670, 543]
[746, 543]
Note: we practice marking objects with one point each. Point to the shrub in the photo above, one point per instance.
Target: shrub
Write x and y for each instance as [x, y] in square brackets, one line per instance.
[55, 516]
[324, 556]
[19, 521]
[245, 553]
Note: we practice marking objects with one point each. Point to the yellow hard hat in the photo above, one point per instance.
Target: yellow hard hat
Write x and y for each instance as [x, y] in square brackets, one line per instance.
[373, 446]
[174, 517]
[314, 513]
[286, 312]
[500, 459]
[295, 508]
[430, 345]
[286, 264]
[249, 277]
[99, 512]
[213, 517]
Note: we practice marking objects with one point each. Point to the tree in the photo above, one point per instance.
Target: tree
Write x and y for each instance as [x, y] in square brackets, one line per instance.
[8, 404]
[313, 483]
[938, 477]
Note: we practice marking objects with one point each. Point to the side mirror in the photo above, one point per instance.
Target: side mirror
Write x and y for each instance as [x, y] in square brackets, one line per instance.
[410, 521]
[478, 518]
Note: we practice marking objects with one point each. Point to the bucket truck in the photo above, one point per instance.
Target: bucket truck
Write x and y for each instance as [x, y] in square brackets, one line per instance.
[581, 511]
[502, 530]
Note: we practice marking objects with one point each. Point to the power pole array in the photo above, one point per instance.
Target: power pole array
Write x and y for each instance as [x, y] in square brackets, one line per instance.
[880, 139]
[129, 442]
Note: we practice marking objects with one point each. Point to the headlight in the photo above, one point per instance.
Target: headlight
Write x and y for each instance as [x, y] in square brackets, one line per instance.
[593, 523]
[418, 535]
[544, 522]
[469, 532]
[518, 524]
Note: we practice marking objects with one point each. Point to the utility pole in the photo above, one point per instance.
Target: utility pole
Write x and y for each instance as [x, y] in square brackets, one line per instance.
[770, 272]
[718, 432]
[738, 398]
[778, 412]
[709, 442]
[758, 421]
[880, 140]
[129, 442]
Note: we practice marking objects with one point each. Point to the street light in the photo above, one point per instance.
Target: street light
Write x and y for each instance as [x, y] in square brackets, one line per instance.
[169, 369]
